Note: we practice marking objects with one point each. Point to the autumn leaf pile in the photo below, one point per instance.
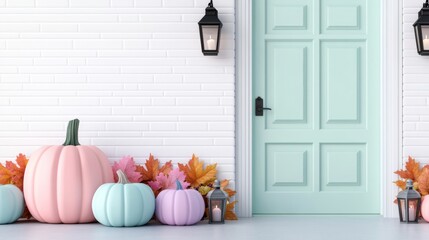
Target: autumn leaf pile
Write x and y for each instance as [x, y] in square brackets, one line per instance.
[419, 176]
[158, 176]
[12, 173]
[191, 175]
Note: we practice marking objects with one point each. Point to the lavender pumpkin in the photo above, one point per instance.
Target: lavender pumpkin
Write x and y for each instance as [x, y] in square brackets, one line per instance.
[180, 206]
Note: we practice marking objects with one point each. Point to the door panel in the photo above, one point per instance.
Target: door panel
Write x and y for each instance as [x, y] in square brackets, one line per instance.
[292, 16]
[343, 167]
[316, 64]
[290, 168]
[344, 17]
[288, 68]
[343, 84]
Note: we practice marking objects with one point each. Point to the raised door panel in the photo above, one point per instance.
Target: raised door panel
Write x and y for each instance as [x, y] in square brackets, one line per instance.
[343, 17]
[343, 81]
[289, 167]
[289, 85]
[292, 16]
[343, 167]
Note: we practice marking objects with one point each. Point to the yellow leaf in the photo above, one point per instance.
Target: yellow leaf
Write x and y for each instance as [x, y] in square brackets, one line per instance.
[196, 175]
[204, 190]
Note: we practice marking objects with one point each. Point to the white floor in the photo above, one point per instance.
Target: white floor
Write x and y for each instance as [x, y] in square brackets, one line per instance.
[259, 227]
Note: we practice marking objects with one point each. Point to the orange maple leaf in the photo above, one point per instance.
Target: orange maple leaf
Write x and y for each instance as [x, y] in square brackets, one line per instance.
[423, 182]
[401, 184]
[12, 173]
[151, 169]
[19, 171]
[223, 185]
[196, 175]
[412, 170]
[229, 213]
[5, 175]
[166, 168]
[230, 192]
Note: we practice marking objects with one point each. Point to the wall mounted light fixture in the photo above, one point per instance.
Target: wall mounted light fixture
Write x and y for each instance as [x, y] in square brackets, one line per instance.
[210, 27]
[421, 30]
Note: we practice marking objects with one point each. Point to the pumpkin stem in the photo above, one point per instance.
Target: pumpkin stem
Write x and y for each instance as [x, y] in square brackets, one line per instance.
[122, 178]
[72, 130]
[178, 185]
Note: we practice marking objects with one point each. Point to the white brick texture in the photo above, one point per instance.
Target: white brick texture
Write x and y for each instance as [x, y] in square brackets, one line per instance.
[415, 89]
[131, 70]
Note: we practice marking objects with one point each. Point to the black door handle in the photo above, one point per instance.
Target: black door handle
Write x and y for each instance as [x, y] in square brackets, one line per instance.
[259, 107]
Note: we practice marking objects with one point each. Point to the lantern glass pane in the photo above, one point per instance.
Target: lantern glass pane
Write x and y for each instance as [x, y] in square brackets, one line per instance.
[425, 36]
[416, 32]
[216, 210]
[210, 36]
[401, 206]
[412, 210]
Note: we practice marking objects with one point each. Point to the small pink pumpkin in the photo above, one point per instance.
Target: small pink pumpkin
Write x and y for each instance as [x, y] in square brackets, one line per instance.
[180, 206]
[60, 181]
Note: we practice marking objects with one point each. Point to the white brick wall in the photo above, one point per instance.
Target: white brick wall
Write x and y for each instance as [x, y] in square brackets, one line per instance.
[415, 89]
[130, 70]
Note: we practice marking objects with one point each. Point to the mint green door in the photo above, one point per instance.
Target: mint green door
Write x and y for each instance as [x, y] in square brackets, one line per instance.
[317, 66]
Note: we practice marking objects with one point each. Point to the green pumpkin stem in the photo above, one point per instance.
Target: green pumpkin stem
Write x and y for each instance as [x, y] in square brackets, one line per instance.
[72, 136]
[122, 178]
[178, 185]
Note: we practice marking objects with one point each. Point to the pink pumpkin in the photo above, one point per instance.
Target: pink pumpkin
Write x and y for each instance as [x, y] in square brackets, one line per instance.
[60, 181]
[425, 208]
[179, 207]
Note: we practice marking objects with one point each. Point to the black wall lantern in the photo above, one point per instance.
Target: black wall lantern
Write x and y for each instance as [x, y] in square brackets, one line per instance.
[210, 27]
[421, 30]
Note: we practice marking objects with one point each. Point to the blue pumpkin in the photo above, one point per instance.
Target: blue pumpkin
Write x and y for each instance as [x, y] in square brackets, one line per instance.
[11, 203]
[123, 204]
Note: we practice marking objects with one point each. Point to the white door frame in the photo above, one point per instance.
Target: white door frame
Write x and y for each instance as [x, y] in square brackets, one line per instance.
[391, 104]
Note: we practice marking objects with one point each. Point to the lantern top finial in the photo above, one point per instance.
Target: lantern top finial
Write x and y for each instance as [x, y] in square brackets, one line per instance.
[409, 184]
[216, 184]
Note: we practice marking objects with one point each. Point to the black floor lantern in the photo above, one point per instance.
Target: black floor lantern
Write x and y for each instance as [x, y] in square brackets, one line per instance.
[421, 30]
[210, 27]
[409, 203]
